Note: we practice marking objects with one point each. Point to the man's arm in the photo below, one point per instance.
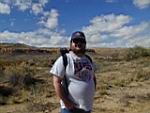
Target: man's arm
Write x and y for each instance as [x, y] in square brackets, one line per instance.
[61, 94]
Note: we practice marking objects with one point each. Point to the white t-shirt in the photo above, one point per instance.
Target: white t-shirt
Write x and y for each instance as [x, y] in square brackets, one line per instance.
[79, 73]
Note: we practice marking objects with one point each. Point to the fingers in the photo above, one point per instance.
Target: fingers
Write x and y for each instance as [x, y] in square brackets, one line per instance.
[70, 105]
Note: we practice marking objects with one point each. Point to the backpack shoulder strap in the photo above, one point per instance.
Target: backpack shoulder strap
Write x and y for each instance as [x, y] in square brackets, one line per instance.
[92, 63]
[63, 52]
[89, 58]
[65, 62]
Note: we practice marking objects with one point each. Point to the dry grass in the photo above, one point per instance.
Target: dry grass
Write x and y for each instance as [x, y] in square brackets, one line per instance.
[122, 83]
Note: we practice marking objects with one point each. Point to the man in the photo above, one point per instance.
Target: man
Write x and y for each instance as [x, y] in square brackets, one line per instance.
[80, 77]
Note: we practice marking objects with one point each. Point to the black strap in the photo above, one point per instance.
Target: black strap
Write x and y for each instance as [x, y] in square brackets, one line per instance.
[65, 62]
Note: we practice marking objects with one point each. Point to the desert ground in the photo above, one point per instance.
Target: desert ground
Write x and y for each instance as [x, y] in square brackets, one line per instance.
[123, 79]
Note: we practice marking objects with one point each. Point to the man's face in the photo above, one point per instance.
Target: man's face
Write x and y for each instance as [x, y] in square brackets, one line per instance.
[78, 45]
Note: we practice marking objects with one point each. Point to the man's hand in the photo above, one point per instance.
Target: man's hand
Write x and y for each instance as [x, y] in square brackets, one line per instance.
[60, 93]
[69, 104]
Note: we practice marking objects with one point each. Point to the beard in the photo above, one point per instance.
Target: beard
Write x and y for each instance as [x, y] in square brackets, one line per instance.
[78, 50]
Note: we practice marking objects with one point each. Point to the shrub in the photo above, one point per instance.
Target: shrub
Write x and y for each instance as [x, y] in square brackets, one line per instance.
[1, 74]
[142, 75]
[41, 107]
[136, 52]
[22, 76]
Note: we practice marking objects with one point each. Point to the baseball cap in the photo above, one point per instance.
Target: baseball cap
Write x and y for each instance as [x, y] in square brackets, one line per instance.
[78, 35]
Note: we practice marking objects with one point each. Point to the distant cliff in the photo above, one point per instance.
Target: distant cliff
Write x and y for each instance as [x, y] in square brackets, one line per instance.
[11, 48]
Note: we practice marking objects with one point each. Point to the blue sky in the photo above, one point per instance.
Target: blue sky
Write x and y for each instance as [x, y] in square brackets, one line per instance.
[49, 23]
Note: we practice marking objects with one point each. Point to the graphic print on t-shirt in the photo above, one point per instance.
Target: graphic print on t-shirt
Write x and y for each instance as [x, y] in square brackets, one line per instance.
[83, 69]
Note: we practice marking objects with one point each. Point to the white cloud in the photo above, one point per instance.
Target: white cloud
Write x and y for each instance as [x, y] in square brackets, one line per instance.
[43, 2]
[50, 19]
[109, 23]
[123, 34]
[35, 6]
[22, 4]
[141, 3]
[106, 30]
[46, 36]
[104, 24]
[130, 31]
[4, 8]
[39, 38]
[115, 31]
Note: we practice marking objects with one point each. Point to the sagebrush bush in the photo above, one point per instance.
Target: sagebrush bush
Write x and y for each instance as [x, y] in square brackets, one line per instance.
[21, 76]
[136, 52]
[1, 74]
[142, 75]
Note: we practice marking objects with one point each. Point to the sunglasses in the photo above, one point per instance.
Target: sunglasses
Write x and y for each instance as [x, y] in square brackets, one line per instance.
[79, 40]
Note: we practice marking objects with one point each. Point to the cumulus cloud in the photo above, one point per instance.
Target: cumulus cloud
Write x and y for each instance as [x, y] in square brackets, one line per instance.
[36, 7]
[43, 2]
[4, 8]
[23, 4]
[128, 32]
[46, 36]
[104, 31]
[141, 3]
[105, 24]
[39, 38]
[140, 41]
[109, 23]
[115, 31]
[50, 19]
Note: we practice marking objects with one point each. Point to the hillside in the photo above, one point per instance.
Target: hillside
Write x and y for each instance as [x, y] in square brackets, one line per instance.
[12, 48]
[123, 80]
